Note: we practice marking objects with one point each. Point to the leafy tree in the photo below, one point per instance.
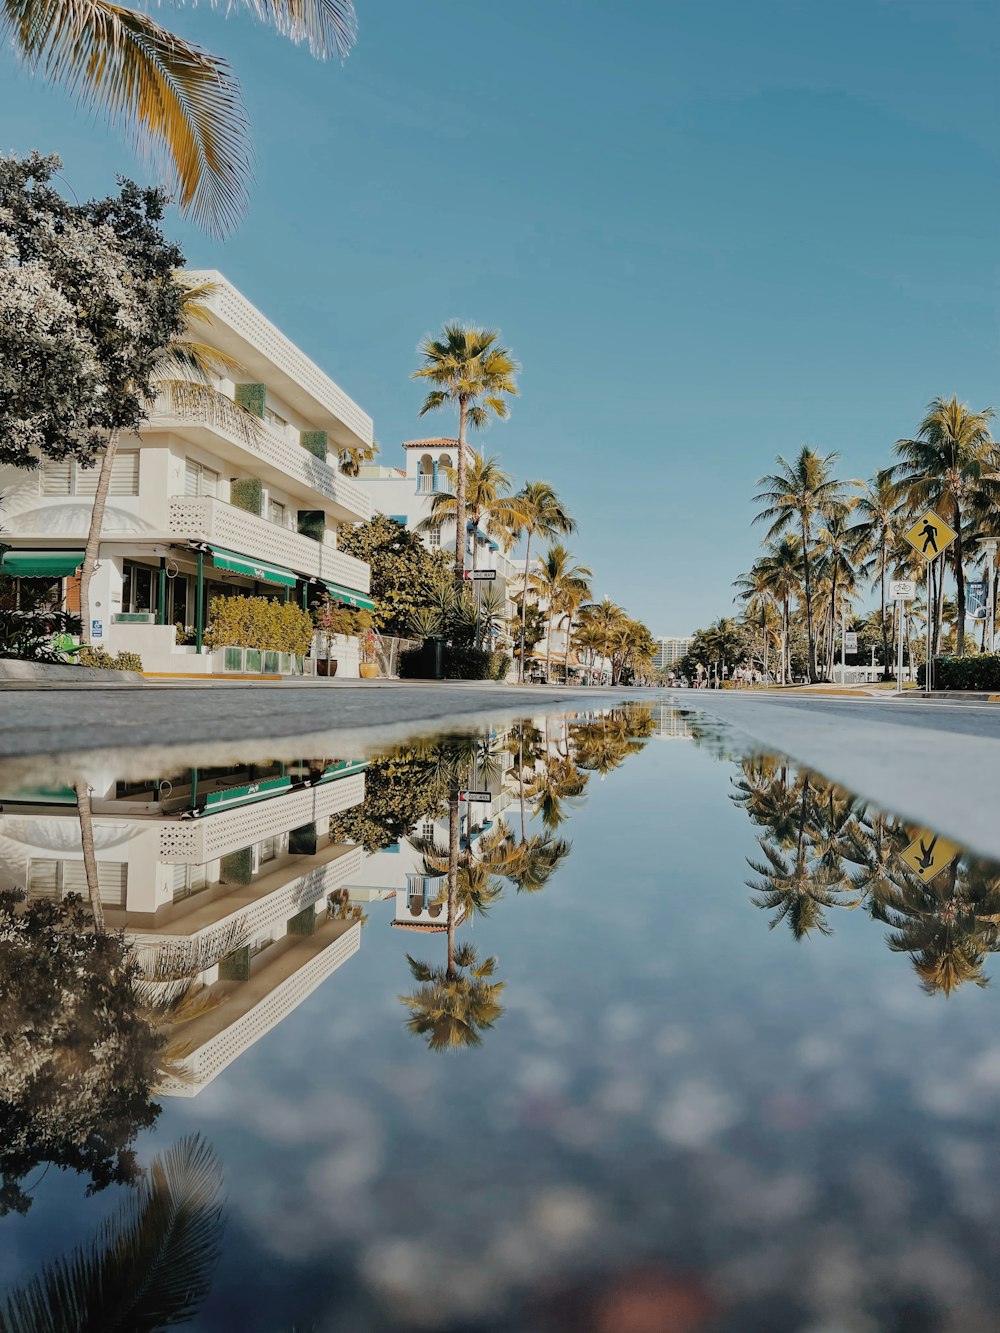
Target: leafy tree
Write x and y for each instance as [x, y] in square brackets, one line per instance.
[79, 1052]
[406, 577]
[401, 789]
[179, 101]
[469, 372]
[563, 587]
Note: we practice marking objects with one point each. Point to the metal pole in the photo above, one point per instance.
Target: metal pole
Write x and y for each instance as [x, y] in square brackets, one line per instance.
[928, 669]
[991, 610]
[199, 603]
[899, 649]
[843, 645]
[161, 593]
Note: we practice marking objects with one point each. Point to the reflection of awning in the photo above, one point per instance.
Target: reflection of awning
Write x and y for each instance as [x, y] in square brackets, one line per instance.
[253, 569]
[40, 564]
[349, 596]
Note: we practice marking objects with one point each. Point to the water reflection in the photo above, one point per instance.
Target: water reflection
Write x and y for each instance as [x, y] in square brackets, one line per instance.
[824, 850]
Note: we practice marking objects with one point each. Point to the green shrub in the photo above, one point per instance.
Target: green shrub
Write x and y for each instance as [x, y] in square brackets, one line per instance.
[247, 493]
[251, 397]
[464, 662]
[237, 867]
[315, 441]
[90, 656]
[499, 665]
[981, 672]
[258, 622]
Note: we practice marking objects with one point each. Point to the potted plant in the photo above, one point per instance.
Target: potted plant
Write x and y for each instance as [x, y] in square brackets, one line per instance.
[368, 642]
[331, 618]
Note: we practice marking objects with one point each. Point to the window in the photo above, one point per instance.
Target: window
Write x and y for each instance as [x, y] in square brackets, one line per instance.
[199, 480]
[54, 879]
[434, 538]
[276, 513]
[267, 850]
[188, 880]
[138, 583]
[427, 830]
[274, 419]
[65, 476]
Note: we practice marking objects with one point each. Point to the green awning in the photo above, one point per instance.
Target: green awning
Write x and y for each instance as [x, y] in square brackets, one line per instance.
[40, 564]
[350, 597]
[253, 569]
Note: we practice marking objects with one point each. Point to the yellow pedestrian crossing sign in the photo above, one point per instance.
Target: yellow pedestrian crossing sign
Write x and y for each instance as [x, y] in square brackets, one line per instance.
[930, 535]
[928, 854]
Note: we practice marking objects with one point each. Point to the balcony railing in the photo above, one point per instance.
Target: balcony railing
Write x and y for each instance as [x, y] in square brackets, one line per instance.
[204, 518]
[427, 483]
[174, 411]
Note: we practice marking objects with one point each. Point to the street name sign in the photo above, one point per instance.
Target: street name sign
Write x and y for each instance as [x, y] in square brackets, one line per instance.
[484, 796]
[902, 590]
[481, 575]
[928, 854]
[930, 535]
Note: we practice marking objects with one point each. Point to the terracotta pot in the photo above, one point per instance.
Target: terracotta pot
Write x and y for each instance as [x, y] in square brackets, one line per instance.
[368, 670]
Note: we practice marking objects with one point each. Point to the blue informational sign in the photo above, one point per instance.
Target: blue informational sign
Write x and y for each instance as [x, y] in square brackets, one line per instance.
[975, 599]
[97, 629]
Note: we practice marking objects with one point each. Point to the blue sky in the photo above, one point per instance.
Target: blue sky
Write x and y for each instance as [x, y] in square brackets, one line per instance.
[710, 232]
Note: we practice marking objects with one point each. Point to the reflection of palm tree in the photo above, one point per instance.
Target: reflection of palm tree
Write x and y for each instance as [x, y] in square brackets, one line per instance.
[535, 861]
[451, 1010]
[558, 781]
[85, 815]
[476, 885]
[949, 925]
[148, 1268]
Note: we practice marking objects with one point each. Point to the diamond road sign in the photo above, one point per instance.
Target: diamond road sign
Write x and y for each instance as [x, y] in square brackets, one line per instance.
[928, 854]
[930, 535]
[902, 590]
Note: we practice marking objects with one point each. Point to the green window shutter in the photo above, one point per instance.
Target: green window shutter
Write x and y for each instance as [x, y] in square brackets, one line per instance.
[237, 966]
[237, 867]
[302, 841]
[251, 397]
[310, 523]
[315, 441]
[304, 922]
[247, 493]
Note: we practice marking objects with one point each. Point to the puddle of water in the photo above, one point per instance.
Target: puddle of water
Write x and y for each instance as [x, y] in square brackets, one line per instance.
[717, 1054]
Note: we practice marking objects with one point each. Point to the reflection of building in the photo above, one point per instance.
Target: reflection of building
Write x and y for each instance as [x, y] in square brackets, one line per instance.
[671, 723]
[407, 496]
[670, 650]
[202, 506]
[222, 875]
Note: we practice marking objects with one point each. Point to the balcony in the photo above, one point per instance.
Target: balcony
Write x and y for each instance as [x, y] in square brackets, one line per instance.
[204, 518]
[428, 484]
[278, 459]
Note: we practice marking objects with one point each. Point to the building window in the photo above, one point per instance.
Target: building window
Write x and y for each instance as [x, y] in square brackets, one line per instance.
[138, 582]
[55, 879]
[188, 880]
[274, 419]
[427, 831]
[434, 538]
[65, 476]
[276, 513]
[199, 480]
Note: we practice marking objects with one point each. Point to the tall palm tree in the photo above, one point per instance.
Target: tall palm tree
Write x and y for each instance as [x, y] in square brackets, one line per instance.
[781, 571]
[875, 534]
[558, 582]
[451, 1007]
[608, 619]
[541, 515]
[86, 818]
[471, 373]
[836, 545]
[186, 376]
[150, 1265]
[180, 103]
[952, 461]
[801, 492]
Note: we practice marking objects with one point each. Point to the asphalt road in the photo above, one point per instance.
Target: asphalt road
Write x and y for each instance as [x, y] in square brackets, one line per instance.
[936, 762]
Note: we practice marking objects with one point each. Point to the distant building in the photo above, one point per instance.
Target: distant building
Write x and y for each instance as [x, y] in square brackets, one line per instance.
[670, 650]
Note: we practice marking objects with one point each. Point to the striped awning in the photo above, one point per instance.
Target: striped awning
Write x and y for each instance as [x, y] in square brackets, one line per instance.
[349, 596]
[253, 569]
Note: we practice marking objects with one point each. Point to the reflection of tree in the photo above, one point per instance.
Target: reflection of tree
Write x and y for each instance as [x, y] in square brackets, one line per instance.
[401, 788]
[602, 744]
[824, 849]
[552, 787]
[451, 1010]
[148, 1268]
[80, 1054]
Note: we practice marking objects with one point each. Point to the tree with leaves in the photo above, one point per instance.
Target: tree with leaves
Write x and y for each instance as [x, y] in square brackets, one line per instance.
[541, 514]
[451, 1007]
[402, 788]
[405, 576]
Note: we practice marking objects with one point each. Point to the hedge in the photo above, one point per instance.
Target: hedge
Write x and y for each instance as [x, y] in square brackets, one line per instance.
[461, 662]
[90, 656]
[980, 672]
[247, 493]
[251, 397]
[258, 622]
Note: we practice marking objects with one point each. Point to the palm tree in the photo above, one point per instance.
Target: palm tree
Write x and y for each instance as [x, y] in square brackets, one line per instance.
[452, 1007]
[86, 818]
[182, 104]
[353, 457]
[558, 780]
[148, 1268]
[875, 535]
[952, 462]
[589, 639]
[608, 619]
[468, 372]
[947, 926]
[803, 492]
[535, 861]
[836, 544]
[541, 514]
[558, 583]
[185, 376]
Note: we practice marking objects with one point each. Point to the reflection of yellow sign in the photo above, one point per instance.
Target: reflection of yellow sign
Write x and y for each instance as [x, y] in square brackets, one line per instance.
[930, 535]
[929, 853]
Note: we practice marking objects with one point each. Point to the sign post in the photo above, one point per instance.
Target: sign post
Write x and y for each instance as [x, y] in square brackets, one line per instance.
[901, 591]
[930, 537]
[990, 547]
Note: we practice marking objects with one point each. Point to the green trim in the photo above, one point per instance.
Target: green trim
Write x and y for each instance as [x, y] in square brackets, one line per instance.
[254, 569]
[40, 564]
[253, 791]
[359, 600]
[199, 604]
[251, 397]
[316, 441]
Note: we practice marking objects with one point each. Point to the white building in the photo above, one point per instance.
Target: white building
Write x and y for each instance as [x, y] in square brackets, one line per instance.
[196, 510]
[407, 495]
[670, 650]
[225, 873]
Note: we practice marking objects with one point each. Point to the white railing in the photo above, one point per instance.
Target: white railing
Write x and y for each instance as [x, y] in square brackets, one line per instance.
[426, 483]
[257, 438]
[204, 518]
